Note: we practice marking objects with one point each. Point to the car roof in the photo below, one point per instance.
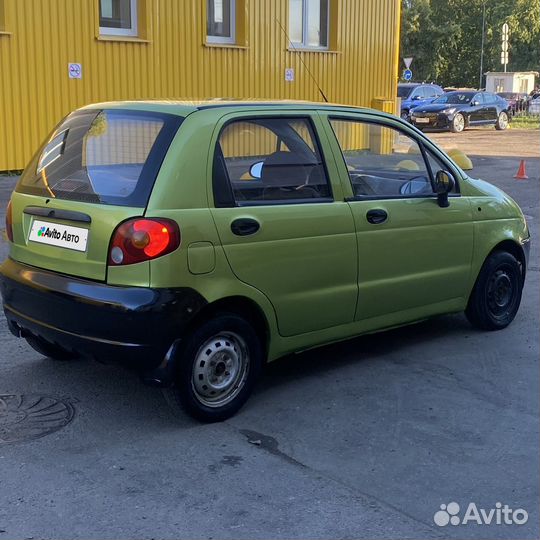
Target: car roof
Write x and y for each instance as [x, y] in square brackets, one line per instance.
[185, 107]
[465, 92]
[418, 84]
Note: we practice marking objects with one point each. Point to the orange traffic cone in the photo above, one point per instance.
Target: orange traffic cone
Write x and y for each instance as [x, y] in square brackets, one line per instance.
[521, 174]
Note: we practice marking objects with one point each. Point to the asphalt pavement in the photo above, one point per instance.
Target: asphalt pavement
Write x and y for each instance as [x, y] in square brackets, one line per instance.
[362, 439]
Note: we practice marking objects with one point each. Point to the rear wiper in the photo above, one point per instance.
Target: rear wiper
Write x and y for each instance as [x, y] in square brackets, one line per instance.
[57, 213]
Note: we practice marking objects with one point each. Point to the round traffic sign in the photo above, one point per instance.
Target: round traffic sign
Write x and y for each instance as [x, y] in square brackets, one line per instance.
[407, 74]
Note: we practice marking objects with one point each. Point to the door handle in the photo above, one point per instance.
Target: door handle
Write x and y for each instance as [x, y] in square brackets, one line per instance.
[376, 216]
[245, 226]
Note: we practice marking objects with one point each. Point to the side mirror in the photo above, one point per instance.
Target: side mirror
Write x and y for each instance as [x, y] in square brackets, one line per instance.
[256, 169]
[475, 103]
[415, 98]
[444, 183]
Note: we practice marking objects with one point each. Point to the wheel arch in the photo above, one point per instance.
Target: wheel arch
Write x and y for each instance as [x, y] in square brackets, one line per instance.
[515, 249]
[238, 305]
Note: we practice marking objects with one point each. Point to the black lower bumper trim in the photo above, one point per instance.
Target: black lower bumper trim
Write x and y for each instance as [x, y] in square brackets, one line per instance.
[133, 325]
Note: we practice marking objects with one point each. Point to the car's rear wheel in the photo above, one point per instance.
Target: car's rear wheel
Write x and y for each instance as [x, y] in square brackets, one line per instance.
[49, 349]
[502, 121]
[457, 125]
[218, 365]
[496, 296]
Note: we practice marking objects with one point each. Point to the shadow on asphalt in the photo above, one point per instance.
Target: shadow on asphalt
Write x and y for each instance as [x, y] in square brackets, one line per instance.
[105, 386]
[334, 357]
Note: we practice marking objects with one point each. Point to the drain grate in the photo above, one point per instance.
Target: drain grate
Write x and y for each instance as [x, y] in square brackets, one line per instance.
[28, 417]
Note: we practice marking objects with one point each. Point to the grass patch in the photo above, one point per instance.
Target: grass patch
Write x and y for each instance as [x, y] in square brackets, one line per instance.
[525, 122]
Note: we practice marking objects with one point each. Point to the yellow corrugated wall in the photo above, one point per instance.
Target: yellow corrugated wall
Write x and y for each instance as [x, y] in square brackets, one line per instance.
[40, 38]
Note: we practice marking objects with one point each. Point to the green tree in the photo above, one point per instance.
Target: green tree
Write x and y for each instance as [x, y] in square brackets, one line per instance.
[445, 36]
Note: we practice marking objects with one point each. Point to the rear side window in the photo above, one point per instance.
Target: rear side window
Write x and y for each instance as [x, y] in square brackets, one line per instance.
[267, 161]
[102, 156]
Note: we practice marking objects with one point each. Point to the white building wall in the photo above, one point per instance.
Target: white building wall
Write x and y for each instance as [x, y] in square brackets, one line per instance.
[509, 82]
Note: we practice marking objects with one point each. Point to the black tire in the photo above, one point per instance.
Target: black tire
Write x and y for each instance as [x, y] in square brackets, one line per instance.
[502, 121]
[458, 123]
[496, 296]
[49, 349]
[224, 338]
[405, 115]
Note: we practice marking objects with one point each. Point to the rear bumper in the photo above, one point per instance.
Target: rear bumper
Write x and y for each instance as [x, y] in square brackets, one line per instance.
[133, 325]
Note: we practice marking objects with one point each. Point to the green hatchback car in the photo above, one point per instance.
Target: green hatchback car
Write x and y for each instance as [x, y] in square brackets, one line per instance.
[195, 241]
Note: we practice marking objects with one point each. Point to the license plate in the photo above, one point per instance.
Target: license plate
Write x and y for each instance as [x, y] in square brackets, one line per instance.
[422, 120]
[55, 234]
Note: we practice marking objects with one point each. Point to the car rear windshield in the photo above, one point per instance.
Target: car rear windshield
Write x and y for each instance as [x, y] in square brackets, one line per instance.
[404, 91]
[102, 156]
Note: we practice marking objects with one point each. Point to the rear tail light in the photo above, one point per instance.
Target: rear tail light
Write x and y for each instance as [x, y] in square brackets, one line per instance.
[142, 239]
[9, 222]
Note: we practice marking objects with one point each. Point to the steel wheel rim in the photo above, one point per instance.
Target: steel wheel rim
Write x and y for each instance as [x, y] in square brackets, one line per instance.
[503, 120]
[501, 291]
[220, 369]
[459, 122]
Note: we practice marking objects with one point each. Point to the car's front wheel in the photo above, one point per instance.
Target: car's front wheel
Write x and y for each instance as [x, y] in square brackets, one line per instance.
[502, 121]
[496, 296]
[217, 368]
[457, 125]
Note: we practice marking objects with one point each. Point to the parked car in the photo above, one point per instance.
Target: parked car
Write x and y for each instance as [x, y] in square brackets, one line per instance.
[460, 89]
[459, 110]
[533, 106]
[197, 241]
[414, 94]
[517, 101]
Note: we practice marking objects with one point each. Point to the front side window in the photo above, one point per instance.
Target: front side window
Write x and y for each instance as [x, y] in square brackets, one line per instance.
[270, 160]
[478, 98]
[432, 91]
[308, 23]
[455, 98]
[118, 17]
[383, 162]
[102, 157]
[220, 26]
[417, 93]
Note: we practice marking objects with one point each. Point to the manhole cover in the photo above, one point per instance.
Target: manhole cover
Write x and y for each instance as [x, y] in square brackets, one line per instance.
[23, 418]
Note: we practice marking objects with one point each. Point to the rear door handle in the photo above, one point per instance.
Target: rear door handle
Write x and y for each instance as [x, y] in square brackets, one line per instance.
[245, 226]
[376, 216]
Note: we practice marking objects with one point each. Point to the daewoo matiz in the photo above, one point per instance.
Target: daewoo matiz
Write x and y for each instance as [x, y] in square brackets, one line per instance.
[197, 241]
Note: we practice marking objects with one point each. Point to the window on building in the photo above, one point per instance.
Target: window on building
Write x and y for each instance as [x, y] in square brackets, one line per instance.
[499, 85]
[118, 17]
[308, 23]
[220, 26]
